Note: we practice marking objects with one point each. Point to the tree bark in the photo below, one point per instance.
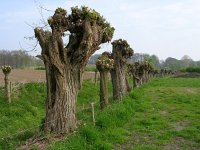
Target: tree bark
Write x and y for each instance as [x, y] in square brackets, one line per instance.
[64, 78]
[118, 76]
[145, 76]
[96, 77]
[61, 101]
[127, 84]
[136, 81]
[103, 89]
[121, 52]
[7, 88]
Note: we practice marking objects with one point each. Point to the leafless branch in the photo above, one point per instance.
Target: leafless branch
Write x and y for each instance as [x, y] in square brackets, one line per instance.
[32, 47]
[40, 9]
[29, 25]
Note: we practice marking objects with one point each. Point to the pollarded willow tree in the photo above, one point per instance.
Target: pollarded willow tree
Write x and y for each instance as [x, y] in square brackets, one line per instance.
[6, 70]
[146, 69]
[150, 71]
[133, 70]
[121, 51]
[65, 62]
[104, 64]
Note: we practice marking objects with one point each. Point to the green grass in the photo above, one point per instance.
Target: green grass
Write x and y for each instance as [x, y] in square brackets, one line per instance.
[162, 114]
[90, 68]
[24, 113]
[22, 118]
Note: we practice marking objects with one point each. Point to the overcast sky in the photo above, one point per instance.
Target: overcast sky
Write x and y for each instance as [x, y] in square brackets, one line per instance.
[161, 27]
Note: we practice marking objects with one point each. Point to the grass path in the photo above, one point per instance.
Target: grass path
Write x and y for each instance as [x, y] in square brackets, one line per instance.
[169, 116]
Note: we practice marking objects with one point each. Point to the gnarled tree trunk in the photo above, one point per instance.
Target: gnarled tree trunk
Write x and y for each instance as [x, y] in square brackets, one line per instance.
[136, 81]
[62, 90]
[103, 88]
[103, 64]
[7, 88]
[119, 81]
[120, 52]
[127, 84]
[65, 64]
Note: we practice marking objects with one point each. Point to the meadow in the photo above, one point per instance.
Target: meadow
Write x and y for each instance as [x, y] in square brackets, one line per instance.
[161, 114]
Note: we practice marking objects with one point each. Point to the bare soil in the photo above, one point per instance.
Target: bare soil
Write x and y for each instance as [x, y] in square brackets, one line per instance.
[187, 75]
[29, 75]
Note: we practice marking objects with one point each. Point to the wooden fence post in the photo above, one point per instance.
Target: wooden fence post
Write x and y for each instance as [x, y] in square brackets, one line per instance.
[10, 87]
[93, 117]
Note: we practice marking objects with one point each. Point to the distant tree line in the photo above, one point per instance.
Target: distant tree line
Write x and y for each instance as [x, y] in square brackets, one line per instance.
[19, 59]
[184, 62]
[169, 63]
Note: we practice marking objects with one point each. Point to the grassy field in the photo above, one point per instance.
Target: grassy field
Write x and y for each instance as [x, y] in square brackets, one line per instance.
[21, 119]
[162, 114]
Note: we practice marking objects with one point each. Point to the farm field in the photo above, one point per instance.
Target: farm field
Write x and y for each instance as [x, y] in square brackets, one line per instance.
[30, 75]
[162, 114]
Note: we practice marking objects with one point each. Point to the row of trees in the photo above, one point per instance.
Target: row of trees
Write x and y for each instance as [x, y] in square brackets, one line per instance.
[65, 63]
[169, 63]
[117, 65]
[184, 62]
[19, 59]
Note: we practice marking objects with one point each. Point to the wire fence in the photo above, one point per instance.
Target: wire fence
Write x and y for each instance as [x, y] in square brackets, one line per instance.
[8, 139]
[38, 127]
[87, 111]
[14, 87]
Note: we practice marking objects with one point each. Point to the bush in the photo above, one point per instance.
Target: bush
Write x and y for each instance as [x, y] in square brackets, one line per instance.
[191, 69]
[40, 68]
